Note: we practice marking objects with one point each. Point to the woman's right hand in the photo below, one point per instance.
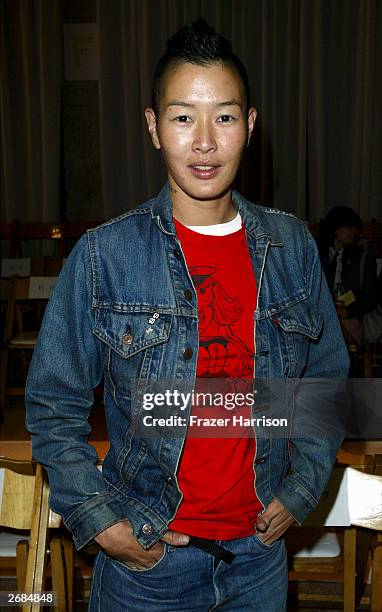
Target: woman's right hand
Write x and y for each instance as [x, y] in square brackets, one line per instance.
[119, 542]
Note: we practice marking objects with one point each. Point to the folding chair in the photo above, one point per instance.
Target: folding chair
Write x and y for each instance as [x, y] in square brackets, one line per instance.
[376, 574]
[24, 506]
[324, 548]
[16, 339]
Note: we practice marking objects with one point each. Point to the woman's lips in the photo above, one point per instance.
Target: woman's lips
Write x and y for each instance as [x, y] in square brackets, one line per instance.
[204, 172]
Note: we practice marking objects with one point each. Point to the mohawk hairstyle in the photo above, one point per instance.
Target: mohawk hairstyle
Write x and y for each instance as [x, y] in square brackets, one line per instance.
[197, 43]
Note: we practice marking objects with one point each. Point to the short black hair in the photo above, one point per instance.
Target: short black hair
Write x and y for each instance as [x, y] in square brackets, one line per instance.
[197, 43]
[338, 216]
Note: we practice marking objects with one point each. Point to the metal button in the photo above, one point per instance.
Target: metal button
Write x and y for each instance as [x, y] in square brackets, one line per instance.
[147, 529]
[187, 353]
[177, 253]
[170, 479]
[260, 460]
[188, 294]
[127, 339]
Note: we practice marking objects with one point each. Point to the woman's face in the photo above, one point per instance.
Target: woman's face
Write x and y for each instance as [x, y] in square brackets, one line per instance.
[202, 129]
[347, 235]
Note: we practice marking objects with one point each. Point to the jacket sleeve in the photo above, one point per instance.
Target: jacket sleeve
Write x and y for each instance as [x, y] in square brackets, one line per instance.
[319, 403]
[67, 364]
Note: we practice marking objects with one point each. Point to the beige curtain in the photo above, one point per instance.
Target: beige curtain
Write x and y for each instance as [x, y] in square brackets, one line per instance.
[30, 98]
[315, 73]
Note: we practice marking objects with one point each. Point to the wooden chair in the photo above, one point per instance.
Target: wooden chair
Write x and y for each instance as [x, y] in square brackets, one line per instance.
[376, 575]
[34, 266]
[343, 565]
[16, 339]
[24, 506]
[24, 267]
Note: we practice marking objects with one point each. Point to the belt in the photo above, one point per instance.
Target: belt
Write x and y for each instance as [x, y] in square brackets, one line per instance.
[212, 548]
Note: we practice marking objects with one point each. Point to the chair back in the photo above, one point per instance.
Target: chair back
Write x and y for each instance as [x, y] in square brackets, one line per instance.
[24, 505]
[24, 289]
[17, 485]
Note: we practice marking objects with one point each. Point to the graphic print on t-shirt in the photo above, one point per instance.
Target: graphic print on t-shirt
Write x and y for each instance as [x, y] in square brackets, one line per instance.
[216, 473]
[221, 352]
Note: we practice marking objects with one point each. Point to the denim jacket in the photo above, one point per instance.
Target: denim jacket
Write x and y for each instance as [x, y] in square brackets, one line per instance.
[115, 278]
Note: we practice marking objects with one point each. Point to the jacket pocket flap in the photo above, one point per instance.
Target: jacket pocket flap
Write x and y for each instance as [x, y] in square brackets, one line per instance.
[128, 333]
[304, 318]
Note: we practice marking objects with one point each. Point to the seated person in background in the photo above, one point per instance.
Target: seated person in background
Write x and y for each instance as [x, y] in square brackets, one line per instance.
[350, 269]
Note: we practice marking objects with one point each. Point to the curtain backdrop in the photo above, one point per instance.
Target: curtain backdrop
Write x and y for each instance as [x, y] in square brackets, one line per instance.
[30, 98]
[315, 73]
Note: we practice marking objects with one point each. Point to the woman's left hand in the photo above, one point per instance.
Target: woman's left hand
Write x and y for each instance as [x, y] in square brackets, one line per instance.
[273, 522]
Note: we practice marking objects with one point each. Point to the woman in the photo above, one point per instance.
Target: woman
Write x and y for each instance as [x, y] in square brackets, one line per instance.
[197, 282]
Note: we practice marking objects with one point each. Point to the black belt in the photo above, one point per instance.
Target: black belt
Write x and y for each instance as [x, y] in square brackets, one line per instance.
[214, 549]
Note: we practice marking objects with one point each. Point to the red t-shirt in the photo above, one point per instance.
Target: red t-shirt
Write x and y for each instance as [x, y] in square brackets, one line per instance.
[216, 474]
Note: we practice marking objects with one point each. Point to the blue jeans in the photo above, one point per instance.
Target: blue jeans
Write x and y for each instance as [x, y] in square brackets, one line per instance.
[186, 578]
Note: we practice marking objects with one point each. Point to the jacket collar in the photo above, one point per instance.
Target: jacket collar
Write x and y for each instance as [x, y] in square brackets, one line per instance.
[253, 216]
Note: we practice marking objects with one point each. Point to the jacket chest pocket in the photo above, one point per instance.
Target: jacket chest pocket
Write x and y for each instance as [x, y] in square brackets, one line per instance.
[298, 326]
[136, 343]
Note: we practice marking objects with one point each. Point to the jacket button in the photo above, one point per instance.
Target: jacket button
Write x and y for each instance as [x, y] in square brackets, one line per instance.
[177, 253]
[260, 460]
[188, 294]
[127, 339]
[170, 479]
[147, 529]
[187, 353]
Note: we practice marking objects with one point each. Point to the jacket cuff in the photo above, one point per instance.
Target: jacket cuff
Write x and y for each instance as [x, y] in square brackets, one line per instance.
[296, 498]
[105, 509]
[92, 517]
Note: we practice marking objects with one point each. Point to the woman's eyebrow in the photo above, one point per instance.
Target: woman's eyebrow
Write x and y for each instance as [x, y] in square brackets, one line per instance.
[179, 103]
[188, 105]
[229, 103]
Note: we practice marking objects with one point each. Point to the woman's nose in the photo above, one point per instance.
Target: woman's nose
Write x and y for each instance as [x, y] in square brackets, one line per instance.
[204, 138]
